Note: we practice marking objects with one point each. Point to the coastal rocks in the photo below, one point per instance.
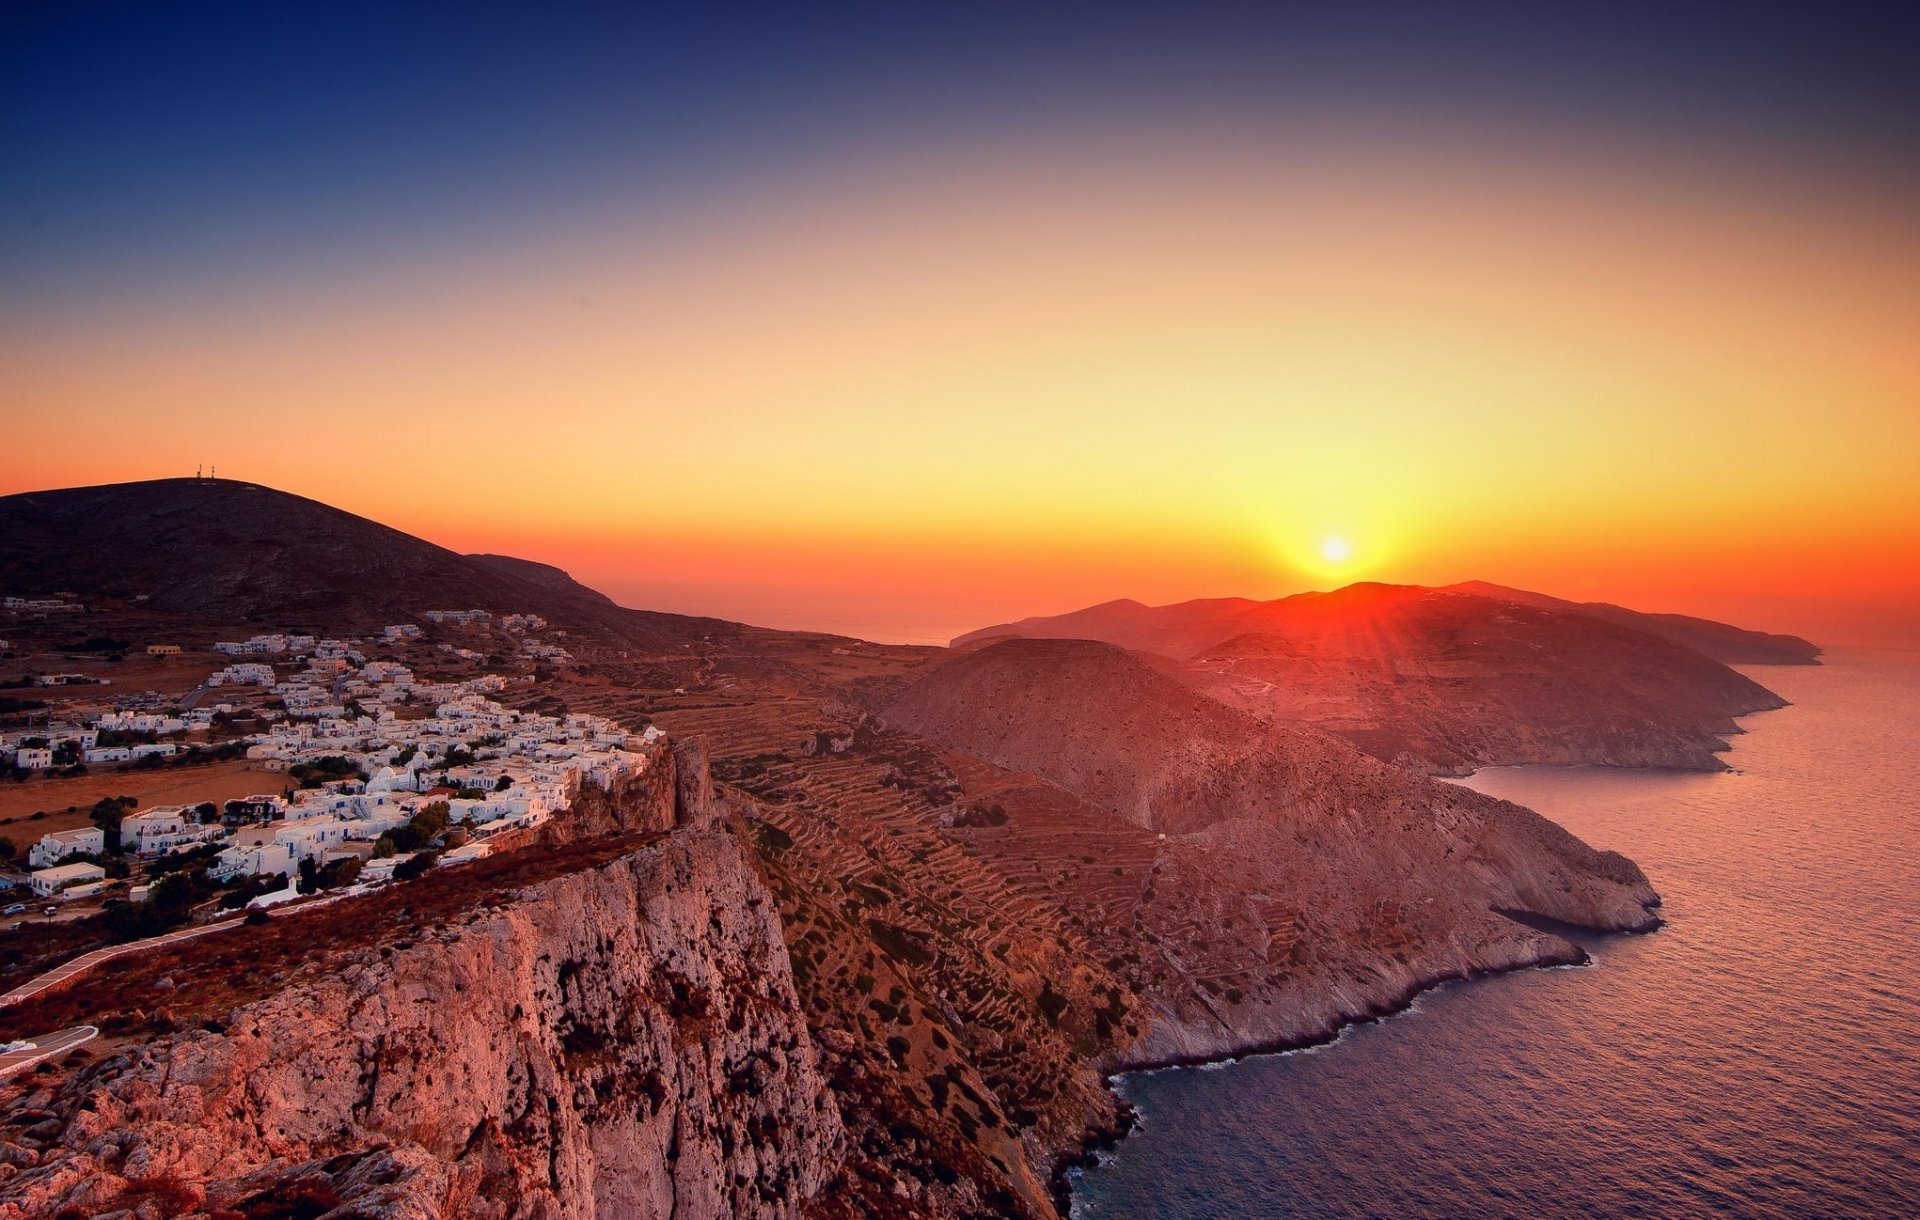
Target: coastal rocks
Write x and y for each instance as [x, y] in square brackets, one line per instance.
[1296, 883]
[620, 1041]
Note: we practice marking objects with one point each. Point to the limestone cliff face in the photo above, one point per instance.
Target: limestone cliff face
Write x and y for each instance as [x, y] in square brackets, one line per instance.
[620, 1041]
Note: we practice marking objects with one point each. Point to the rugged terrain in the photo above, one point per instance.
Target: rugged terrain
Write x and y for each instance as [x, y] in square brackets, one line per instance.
[1444, 680]
[219, 551]
[865, 942]
[1305, 883]
[1186, 627]
[620, 1038]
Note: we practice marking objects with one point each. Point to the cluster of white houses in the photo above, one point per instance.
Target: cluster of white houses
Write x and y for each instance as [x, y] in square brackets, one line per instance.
[57, 604]
[464, 618]
[263, 645]
[337, 674]
[496, 769]
[44, 749]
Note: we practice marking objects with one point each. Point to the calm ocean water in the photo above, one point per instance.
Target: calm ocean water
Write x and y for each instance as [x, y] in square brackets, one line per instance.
[1759, 1056]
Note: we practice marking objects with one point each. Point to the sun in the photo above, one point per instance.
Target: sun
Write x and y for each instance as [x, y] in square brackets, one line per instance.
[1335, 550]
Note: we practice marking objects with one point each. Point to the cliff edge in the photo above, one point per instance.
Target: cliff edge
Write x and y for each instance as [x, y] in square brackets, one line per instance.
[619, 1041]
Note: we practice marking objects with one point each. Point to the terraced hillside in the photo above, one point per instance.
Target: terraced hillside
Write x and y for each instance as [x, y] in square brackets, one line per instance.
[976, 944]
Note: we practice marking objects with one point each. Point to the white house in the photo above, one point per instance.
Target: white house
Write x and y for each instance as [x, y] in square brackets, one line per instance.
[310, 838]
[49, 881]
[245, 673]
[58, 845]
[37, 758]
[272, 858]
[166, 828]
[467, 853]
[261, 807]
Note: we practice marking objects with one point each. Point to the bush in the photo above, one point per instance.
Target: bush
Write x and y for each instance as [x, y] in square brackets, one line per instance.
[1052, 1004]
[415, 866]
[324, 770]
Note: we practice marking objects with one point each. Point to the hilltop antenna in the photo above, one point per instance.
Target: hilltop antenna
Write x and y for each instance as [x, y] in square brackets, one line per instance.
[197, 470]
[213, 472]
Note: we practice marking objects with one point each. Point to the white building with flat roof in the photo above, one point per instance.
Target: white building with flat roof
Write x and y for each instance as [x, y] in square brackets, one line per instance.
[57, 845]
[50, 881]
[272, 858]
[166, 828]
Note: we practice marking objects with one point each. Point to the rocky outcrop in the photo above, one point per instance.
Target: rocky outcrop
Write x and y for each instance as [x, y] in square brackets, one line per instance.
[646, 800]
[620, 1041]
[1297, 884]
[1344, 912]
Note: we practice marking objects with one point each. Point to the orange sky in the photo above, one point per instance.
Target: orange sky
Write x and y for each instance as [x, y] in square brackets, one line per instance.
[913, 395]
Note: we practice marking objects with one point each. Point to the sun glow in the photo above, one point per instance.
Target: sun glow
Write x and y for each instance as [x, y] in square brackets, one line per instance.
[1335, 550]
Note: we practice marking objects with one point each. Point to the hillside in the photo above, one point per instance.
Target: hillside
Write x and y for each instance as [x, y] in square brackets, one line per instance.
[228, 553]
[1046, 860]
[1315, 880]
[1449, 680]
[1723, 642]
[1184, 628]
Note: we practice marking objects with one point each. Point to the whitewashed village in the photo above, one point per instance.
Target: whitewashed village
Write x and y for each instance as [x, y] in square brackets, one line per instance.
[386, 774]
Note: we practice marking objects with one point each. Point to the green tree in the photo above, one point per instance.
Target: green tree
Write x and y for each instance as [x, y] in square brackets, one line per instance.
[415, 866]
[106, 814]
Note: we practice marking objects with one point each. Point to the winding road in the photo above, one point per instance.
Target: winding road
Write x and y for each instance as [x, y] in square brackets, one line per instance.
[45, 1046]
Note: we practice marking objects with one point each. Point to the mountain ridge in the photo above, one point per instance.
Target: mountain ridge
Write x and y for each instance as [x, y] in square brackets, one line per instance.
[224, 551]
[1444, 680]
[1181, 629]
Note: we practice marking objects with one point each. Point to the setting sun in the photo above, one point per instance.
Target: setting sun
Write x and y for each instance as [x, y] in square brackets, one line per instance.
[1335, 550]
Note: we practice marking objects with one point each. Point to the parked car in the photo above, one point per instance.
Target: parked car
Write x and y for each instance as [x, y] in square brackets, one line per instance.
[16, 909]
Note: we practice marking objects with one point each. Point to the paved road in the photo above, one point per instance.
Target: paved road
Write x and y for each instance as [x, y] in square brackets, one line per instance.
[46, 1046]
[61, 974]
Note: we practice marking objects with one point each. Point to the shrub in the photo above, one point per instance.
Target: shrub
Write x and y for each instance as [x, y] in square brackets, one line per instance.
[415, 866]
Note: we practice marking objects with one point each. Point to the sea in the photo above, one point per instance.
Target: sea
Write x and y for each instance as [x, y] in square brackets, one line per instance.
[1757, 1056]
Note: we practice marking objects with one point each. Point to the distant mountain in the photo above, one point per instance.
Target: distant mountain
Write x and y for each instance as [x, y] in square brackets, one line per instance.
[1184, 628]
[1445, 679]
[222, 552]
[1721, 641]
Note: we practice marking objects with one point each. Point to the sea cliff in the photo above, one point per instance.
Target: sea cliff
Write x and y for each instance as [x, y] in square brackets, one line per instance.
[619, 1041]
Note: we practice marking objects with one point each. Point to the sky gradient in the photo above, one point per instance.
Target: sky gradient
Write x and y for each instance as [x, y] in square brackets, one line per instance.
[902, 320]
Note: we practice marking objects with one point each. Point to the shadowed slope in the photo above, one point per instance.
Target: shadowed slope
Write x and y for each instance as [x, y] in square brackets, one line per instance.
[1723, 642]
[217, 551]
[1449, 680]
[1184, 628]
